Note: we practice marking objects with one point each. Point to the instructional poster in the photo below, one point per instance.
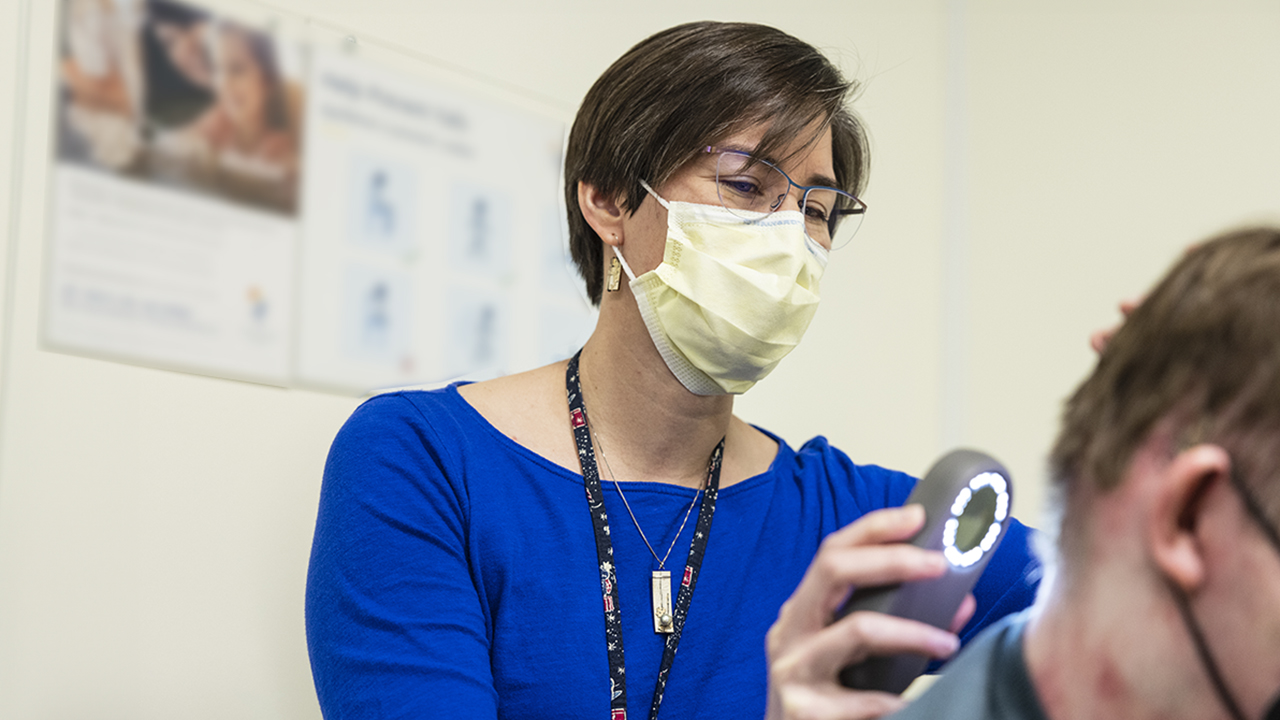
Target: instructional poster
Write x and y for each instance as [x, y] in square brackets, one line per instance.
[234, 200]
[434, 248]
[175, 187]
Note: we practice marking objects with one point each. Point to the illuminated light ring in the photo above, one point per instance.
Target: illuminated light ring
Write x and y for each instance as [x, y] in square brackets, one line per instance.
[965, 559]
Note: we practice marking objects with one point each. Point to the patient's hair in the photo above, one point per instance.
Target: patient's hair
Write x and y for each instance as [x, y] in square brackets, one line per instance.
[1199, 358]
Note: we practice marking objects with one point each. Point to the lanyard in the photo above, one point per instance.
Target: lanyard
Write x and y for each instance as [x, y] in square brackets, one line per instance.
[604, 553]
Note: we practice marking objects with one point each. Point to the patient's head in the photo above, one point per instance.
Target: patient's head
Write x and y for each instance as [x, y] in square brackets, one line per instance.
[1197, 362]
[1168, 469]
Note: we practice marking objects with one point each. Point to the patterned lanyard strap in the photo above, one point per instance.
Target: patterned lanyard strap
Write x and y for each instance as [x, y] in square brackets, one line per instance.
[604, 552]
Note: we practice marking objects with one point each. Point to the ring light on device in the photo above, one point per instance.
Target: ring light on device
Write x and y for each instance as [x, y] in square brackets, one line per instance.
[968, 553]
[966, 499]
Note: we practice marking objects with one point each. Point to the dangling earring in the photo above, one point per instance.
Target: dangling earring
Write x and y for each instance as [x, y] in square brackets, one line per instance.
[615, 273]
[615, 268]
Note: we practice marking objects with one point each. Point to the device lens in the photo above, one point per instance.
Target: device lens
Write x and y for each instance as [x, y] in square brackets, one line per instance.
[976, 518]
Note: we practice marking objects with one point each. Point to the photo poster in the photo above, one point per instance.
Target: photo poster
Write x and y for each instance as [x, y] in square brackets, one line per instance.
[435, 240]
[232, 199]
[174, 189]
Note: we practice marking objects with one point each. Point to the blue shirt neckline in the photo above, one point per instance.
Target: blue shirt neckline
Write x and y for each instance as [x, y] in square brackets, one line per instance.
[770, 475]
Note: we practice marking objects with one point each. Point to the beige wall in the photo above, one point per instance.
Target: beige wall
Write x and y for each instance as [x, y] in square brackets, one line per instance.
[1033, 164]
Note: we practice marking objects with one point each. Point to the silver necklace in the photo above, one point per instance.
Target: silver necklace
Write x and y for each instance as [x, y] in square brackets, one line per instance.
[660, 580]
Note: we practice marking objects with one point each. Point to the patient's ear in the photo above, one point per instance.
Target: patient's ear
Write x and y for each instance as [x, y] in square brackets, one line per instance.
[1181, 498]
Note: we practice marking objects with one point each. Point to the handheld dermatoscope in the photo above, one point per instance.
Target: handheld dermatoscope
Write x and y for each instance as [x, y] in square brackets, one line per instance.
[966, 497]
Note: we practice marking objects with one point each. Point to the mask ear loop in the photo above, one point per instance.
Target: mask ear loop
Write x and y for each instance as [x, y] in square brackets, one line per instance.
[655, 195]
[625, 267]
[618, 253]
[1206, 657]
[1193, 627]
[1260, 519]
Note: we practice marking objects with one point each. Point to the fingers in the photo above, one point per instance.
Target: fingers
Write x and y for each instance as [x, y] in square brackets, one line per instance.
[964, 613]
[873, 566]
[857, 555]
[807, 650]
[832, 703]
[861, 635]
[1099, 339]
[802, 680]
[880, 526]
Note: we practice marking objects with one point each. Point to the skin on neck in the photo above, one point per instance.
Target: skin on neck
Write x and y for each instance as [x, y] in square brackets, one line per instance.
[650, 426]
[1106, 638]
[1093, 652]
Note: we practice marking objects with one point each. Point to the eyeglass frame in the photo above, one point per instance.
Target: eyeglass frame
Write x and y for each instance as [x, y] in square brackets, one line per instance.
[860, 207]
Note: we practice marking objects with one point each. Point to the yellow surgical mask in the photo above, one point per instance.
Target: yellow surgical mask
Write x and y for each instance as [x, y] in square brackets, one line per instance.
[731, 297]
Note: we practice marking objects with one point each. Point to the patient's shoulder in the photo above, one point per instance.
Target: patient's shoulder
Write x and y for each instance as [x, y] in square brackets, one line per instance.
[988, 680]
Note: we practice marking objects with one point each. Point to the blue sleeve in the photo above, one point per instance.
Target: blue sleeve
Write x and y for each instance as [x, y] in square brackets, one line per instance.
[395, 626]
[1009, 582]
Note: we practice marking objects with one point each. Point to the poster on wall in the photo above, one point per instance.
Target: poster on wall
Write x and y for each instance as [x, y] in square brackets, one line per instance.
[175, 185]
[231, 199]
[434, 244]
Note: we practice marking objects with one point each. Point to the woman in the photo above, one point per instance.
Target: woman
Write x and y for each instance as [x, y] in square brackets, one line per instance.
[493, 548]
[250, 115]
[244, 142]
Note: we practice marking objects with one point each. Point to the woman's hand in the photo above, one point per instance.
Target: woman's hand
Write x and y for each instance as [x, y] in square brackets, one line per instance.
[807, 651]
[1099, 339]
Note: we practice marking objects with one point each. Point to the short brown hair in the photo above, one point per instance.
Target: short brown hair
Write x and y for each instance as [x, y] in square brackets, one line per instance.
[691, 86]
[1200, 356]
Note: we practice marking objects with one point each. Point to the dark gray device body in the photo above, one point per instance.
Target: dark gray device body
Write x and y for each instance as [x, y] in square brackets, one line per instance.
[985, 513]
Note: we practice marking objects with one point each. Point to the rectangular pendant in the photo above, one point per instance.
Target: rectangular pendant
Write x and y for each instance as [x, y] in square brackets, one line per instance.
[615, 275]
[663, 613]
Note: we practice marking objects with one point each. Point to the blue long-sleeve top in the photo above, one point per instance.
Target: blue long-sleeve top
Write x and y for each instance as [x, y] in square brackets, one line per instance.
[454, 573]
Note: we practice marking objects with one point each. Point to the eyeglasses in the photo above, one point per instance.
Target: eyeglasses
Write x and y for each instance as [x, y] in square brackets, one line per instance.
[748, 186]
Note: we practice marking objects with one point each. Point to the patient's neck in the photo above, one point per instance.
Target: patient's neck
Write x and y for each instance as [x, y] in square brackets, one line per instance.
[1107, 642]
